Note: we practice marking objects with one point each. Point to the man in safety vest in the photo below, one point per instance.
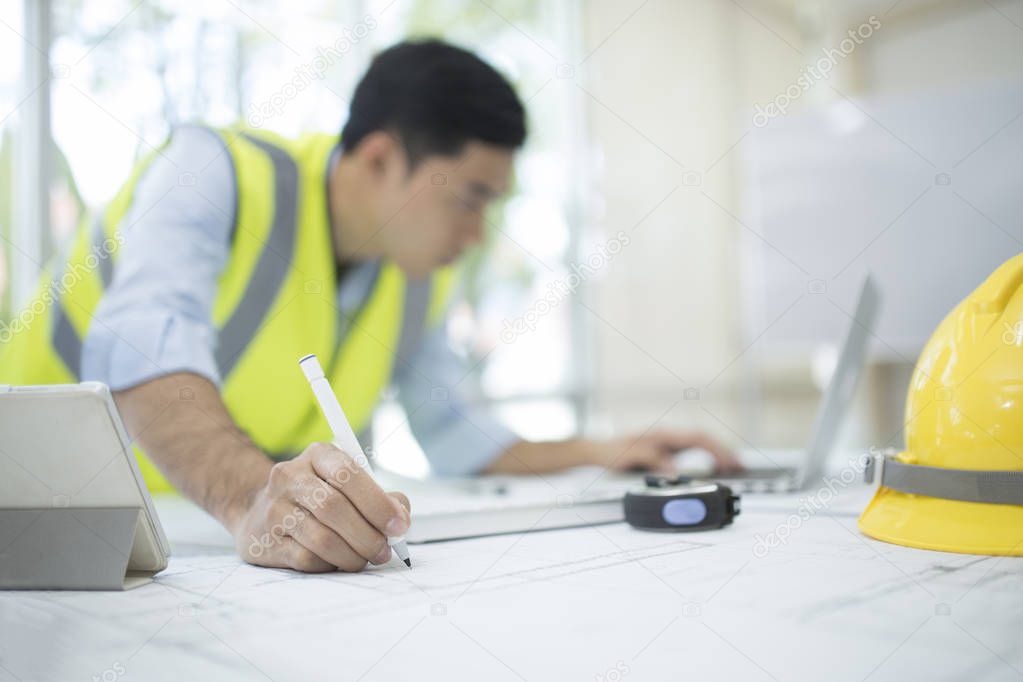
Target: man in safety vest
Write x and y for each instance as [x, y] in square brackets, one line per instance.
[231, 253]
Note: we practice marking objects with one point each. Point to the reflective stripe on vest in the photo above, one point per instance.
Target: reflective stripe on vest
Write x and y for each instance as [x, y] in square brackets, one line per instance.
[66, 342]
[272, 266]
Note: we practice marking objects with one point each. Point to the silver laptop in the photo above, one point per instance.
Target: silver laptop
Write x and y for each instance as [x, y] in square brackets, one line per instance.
[831, 413]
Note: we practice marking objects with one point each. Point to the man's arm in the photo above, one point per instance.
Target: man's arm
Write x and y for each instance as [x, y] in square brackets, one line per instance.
[195, 443]
[461, 439]
[317, 512]
[652, 450]
[458, 438]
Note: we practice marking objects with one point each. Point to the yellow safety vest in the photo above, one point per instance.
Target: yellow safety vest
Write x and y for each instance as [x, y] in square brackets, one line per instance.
[275, 302]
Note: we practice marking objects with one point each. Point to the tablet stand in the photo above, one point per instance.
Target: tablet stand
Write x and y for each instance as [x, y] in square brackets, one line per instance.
[67, 548]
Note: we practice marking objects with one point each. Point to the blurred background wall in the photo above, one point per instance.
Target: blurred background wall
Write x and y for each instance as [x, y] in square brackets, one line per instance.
[705, 185]
[756, 227]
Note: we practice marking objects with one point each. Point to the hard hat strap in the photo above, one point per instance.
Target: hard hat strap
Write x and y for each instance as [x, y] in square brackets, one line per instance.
[990, 487]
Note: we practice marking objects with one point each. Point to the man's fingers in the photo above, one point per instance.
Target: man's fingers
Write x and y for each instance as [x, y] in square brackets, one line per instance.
[402, 499]
[346, 475]
[326, 544]
[301, 558]
[644, 456]
[322, 511]
[724, 459]
[336, 512]
[665, 466]
[659, 460]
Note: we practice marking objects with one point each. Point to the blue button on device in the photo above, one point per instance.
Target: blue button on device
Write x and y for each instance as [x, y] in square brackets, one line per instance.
[684, 512]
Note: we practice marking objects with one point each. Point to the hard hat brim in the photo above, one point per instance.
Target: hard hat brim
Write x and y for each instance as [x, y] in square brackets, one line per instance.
[944, 525]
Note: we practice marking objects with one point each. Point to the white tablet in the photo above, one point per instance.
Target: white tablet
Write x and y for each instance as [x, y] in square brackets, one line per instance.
[64, 447]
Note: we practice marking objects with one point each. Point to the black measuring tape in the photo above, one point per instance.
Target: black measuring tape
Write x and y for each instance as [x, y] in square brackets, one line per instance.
[680, 504]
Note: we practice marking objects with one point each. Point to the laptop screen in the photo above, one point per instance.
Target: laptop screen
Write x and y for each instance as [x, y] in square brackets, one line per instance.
[839, 394]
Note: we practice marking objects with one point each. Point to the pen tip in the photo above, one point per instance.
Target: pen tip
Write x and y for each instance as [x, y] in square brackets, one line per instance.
[408, 562]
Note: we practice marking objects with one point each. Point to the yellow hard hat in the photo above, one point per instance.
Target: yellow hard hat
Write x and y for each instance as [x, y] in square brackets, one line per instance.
[958, 486]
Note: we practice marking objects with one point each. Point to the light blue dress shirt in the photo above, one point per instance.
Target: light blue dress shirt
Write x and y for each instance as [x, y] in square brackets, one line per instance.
[156, 316]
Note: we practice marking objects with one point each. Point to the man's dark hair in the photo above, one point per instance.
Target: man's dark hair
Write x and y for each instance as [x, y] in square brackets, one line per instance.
[436, 97]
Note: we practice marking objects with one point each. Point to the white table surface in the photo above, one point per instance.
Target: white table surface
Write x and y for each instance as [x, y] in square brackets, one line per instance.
[602, 603]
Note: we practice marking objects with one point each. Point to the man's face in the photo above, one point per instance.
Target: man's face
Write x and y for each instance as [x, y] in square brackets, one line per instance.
[431, 215]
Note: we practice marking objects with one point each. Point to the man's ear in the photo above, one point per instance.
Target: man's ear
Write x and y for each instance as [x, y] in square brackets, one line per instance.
[382, 153]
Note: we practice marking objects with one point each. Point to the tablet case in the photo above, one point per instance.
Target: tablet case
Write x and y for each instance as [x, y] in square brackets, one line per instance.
[74, 511]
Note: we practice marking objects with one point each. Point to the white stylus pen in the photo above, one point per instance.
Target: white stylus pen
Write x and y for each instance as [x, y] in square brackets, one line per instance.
[344, 437]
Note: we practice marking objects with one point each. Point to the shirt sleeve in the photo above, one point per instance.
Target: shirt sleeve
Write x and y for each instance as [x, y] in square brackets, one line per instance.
[155, 317]
[457, 438]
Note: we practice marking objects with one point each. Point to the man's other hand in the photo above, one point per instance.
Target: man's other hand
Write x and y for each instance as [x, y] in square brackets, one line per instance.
[656, 450]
